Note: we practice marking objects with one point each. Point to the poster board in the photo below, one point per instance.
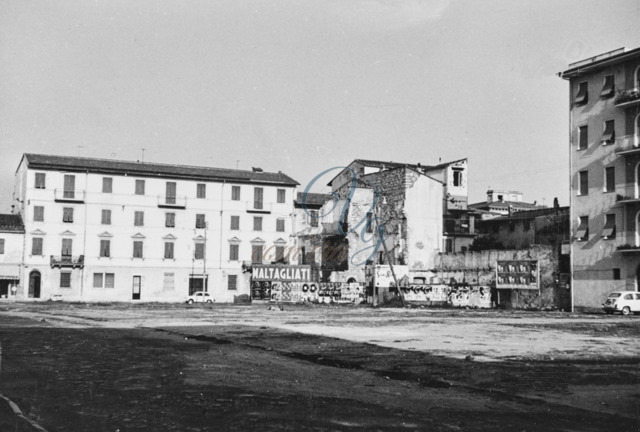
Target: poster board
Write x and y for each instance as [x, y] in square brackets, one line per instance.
[517, 274]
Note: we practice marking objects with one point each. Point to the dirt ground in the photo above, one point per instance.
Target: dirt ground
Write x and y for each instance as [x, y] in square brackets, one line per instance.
[76, 367]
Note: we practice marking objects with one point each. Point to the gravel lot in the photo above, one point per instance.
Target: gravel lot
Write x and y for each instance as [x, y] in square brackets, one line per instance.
[153, 367]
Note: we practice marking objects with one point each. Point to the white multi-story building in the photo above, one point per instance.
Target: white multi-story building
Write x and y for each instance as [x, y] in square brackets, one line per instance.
[107, 230]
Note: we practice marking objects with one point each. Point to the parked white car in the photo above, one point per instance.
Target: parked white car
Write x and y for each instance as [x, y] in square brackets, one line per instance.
[199, 297]
[625, 302]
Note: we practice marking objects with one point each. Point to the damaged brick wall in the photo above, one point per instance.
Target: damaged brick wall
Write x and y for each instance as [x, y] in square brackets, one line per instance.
[479, 268]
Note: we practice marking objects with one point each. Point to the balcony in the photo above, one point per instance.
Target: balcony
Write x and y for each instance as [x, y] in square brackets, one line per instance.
[628, 145]
[628, 249]
[457, 228]
[628, 97]
[625, 199]
[255, 207]
[67, 261]
[70, 196]
[177, 202]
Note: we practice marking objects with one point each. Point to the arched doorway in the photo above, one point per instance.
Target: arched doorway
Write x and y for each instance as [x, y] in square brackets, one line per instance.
[34, 284]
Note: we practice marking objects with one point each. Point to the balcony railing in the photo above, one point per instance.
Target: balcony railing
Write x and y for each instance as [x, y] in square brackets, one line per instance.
[457, 227]
[67, 261]
[258, 207]
[626, 199]
[179, 202]
[629, 144]
[627, 248]
[628, 97]
[62, 195]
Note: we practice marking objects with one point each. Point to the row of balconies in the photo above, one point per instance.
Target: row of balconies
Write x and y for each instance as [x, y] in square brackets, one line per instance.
[66, 261]
[177, 202]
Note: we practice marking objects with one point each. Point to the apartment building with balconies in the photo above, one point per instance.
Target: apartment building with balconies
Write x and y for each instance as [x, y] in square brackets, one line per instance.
[108, 230]
[604, 100]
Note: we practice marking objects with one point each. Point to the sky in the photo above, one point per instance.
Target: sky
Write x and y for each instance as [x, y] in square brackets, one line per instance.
[303, 86]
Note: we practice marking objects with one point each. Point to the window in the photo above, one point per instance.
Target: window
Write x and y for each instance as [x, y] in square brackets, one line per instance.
[137, 249]
[139, 187]
[67, 247]
[235, 193]
[103, 280]
[69, 190]
[170, 195]
[105, 248]
[457, 177]
[369, 222]
[1, 246]
[67, 214]
[616, 274]
[608, 88]
[233, 252]
[201, 190]
[170, 220]
[527, 224]
[583, 132]
[512, 226]
[610, 179]
[256, 254]
[280, 254]
[38, 213]
[106, 217]
[232, 282]
[280, 225]
[200, 221]
[168, 250]
[583, 183]
[199, 251]
[107, 185]
[169, 283]
[609, 134]
[258, 198]
[609, 231]
[257, 223]
[138, 218]
[36, 246]
[235, 222]
[309, 257]
[582, 234]
[313, 218]
[40, 180]
[583, 94]
[282, 193]
[65, 280]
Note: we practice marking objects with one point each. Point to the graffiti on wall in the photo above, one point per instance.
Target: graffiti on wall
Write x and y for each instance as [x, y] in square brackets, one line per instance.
[458, 296]
[317, 292]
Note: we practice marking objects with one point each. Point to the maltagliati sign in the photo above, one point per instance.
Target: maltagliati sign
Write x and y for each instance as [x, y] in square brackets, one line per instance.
[282, 273]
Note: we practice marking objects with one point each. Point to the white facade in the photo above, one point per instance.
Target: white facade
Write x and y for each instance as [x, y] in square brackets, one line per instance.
[120, 243]
[11, 247]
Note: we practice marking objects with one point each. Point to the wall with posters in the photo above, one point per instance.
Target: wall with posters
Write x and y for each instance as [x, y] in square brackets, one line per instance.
[479, 269]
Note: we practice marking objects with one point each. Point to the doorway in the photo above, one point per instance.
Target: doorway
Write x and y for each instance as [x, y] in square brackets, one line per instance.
[195, 284]
[34, 284]
[137, 285]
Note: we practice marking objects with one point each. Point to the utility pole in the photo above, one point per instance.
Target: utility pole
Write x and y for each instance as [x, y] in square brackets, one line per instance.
[204, 261]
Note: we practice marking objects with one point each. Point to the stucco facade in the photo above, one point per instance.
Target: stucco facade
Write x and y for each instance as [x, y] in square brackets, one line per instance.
[604, 100]
[121, 231]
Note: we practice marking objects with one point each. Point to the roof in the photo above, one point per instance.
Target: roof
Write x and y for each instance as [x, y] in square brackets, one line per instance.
[505, 205]
[393, 165]
[313, 199]
[616, 56]
[110, 166]
[531, 214]
[11, 223]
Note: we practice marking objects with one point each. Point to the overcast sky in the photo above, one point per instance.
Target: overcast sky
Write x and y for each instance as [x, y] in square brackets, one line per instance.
[302, 86]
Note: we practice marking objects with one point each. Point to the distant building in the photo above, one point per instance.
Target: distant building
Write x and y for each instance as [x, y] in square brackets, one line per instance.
[604, 101]
[109, 230]
[11, 248]
[457, 221]
[502, 203]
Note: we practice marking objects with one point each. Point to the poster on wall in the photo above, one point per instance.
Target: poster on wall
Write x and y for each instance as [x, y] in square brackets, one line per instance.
[517, 274]
[383, 277]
